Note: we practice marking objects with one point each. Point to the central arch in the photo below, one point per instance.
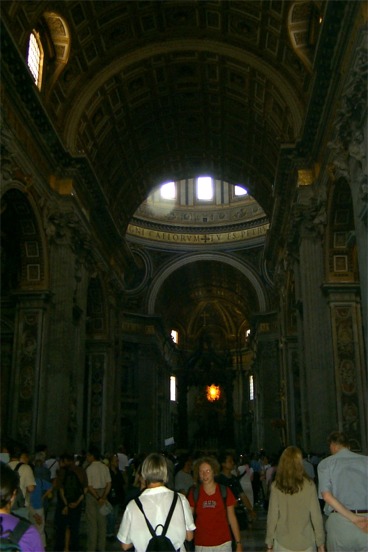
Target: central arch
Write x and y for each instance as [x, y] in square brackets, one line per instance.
[219, 257]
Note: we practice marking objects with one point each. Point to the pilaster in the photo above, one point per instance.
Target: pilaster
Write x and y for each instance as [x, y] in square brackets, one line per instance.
[29, 344]
[315, 342]
[64, 382]
[269, 422]
[350, 373]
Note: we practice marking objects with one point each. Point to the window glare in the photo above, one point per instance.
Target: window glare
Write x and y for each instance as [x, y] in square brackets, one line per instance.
[168, 190]
[34, 57]
[204, 187]
[172, 388]
[251, 388]
[239, 191]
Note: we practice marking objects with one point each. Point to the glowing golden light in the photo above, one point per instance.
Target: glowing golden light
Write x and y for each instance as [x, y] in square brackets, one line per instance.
[213, 392]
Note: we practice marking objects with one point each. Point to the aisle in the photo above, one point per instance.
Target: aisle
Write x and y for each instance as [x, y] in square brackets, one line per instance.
[253, 538]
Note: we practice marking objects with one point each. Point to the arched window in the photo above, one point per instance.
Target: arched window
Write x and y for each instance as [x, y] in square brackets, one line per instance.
[35, 58]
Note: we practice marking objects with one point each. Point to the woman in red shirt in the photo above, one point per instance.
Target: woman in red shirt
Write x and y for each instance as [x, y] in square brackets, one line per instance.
[214, 511]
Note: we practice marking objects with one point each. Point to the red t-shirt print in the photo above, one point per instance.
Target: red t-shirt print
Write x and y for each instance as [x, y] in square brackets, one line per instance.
[212, 528]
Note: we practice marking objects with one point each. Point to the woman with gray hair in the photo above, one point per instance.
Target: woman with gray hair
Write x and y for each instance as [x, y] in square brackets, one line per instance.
[156, 500]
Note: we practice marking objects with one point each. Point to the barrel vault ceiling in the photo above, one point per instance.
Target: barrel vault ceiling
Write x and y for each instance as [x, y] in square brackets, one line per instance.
[150, 91]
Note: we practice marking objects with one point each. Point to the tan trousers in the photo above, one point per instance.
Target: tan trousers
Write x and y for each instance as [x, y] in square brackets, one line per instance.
[96, 524]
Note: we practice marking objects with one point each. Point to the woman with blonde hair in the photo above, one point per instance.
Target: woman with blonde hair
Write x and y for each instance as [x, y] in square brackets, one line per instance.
[294, 520]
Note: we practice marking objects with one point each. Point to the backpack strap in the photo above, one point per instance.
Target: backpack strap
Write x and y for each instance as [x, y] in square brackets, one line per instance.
[19, 530]
[171, 511]
[18, 466]
[223, 489]
[195, 488]
[168, 519]
[139, 504]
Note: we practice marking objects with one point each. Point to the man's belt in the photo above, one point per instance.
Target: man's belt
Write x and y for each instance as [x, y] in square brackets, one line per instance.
[354, 511]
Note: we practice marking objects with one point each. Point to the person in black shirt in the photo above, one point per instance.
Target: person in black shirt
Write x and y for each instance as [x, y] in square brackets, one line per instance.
[116, 496]
[227, 477]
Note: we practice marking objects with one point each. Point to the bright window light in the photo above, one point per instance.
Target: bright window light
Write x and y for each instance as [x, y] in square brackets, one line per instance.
[168, 190]
[239, 191]
[251, 388]
[175, 336]
[204, 188]
[172, 388]
[34, 58]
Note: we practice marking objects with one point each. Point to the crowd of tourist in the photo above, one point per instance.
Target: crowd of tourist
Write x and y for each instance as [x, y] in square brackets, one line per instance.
[219, 494]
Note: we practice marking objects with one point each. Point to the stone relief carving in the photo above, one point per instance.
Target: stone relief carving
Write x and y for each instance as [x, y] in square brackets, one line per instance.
[311, 216]
[65, 228]
[348, 388]
[349, 145]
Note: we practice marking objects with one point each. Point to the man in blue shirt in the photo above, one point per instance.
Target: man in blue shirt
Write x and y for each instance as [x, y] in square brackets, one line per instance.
[343, 486]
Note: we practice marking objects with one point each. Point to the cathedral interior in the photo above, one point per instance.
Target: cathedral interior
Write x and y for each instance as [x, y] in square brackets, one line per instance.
[184, 223]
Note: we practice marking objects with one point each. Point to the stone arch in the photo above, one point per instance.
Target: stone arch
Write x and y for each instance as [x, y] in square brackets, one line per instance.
[24, 285]
[219, 257]
[21, 234]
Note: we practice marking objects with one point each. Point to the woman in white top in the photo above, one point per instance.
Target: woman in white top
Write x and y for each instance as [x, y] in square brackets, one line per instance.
[246, 473]
[156, 500]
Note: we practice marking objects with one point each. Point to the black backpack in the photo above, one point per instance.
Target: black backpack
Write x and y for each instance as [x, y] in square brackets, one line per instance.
[72, 486]
[159, 543]
[9, 540]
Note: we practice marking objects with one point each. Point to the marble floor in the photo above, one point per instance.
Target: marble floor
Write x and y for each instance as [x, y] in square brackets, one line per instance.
[252, 538]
